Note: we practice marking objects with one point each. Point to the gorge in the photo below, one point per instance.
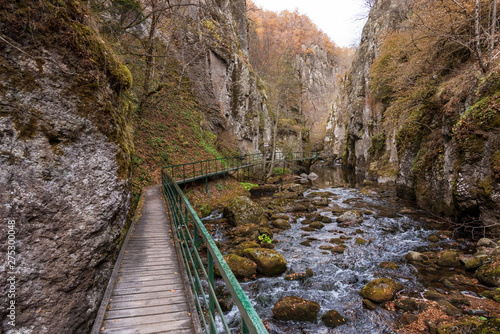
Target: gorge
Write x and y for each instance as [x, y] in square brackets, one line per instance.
[97, 96]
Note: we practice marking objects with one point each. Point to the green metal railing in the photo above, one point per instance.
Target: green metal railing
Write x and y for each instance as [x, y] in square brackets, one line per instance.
[192, 234]
[192, 171]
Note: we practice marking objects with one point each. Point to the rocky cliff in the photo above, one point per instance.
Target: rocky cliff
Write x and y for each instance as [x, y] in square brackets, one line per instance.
[357, 115]
[64, 164]
[318, 74]
[419, 115]
[231, 96]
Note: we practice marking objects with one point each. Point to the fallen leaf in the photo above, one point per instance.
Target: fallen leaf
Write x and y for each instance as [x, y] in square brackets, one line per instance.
[173, 290]
[116, 320]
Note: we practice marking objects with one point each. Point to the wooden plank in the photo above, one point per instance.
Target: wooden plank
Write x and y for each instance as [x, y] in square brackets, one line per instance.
[147, 289]
[123, 305]
[148, 295]
[159, 327]
[152, 310]
[130, 284]
[182, 321]
[148, 278]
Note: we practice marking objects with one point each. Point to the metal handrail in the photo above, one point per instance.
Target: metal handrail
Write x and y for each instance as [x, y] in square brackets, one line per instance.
[191, 171]
[191, 234]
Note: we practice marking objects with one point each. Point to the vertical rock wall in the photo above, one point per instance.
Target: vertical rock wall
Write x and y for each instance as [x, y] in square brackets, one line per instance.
[229, 92]
[64, 165]
[423, 157]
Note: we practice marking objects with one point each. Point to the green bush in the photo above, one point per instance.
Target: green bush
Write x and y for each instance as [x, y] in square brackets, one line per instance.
[277, 171]
[248, 186]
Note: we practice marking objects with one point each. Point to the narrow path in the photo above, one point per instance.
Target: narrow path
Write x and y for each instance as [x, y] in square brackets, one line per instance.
[149, 294]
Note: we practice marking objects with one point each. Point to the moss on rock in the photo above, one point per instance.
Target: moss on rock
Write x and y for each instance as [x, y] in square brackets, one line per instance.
[381, 290]
[295, 308]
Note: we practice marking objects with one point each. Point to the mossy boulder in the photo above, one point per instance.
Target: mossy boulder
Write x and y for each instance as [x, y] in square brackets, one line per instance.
[316, 225]
[448, 308]
[414, 256]
[269, 262]
[350, 217]
[476, 263]
[489, 273]
[381, 290]
[242, 210]
[240, 266]
[295, 308]
[490, 326]
[333, 319]
[281, 224]
[239, 249]
[469, 325]
[338, 249]
[406, 304]
[448, 259]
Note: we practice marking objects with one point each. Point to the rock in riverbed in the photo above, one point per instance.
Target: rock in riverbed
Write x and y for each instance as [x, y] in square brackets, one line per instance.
[295, 308]
[381, 290]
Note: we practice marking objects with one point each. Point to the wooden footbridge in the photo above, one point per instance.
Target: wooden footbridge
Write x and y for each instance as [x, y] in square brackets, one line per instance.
[163, 280]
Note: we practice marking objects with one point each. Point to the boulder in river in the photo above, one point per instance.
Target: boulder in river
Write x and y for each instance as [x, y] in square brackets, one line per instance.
[414, 256]
[486, 242]
[240, 266]
[448, 259]
[350, 217]
[312, 176]
[338, 249]
[333, 319]
[295, 308]
[489, 273]
[242, 210]
[381, 290]
[281, 224]
[317, 225]
[269, 262]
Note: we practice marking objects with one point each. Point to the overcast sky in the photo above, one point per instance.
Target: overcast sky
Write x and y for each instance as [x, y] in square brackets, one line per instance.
[337, 18]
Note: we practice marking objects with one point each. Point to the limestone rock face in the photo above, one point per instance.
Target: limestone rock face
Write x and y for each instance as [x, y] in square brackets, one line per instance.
[461, 181]
[355, 116]
[231, 96]
[64, 169]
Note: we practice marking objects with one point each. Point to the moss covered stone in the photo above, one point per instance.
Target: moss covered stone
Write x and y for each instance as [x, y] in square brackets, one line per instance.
[333, 319]
[242, 210]
[448, 259]
[295, 308]
[489, 273]
[269, 262]
[240, 266]
[381, 290]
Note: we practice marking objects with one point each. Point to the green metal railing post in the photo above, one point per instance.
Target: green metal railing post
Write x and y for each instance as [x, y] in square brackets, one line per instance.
[211, 306]
[244, 327]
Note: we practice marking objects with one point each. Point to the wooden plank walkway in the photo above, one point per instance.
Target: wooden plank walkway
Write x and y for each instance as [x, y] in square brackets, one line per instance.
[149, 295]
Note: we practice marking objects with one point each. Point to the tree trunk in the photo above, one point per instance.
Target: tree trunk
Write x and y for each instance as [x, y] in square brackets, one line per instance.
[493, 26]
[477, 36]
[149, 48]
[275, 130]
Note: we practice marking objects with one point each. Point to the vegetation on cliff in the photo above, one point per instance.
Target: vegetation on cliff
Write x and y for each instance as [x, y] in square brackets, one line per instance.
[437, 76]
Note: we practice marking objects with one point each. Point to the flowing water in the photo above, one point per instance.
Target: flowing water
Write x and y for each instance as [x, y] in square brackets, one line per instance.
[338, 278]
